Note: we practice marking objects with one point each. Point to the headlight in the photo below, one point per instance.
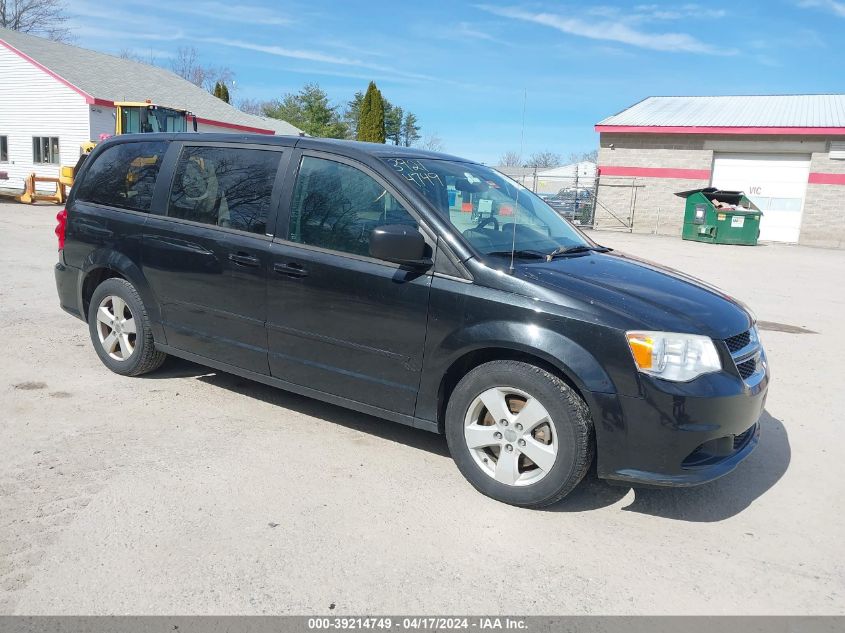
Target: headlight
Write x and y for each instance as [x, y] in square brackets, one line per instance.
[670, 356]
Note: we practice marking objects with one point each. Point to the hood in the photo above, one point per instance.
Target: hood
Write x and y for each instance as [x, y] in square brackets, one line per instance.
[650, 296]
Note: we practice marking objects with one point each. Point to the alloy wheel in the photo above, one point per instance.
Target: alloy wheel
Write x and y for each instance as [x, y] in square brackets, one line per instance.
[511, 436]
[116, 328]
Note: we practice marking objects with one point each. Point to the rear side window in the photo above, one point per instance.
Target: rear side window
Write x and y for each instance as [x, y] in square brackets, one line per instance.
[224, 186]
[124, 176]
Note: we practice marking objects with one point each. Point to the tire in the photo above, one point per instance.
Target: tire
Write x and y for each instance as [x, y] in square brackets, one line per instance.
[127, 348]
[562, 442]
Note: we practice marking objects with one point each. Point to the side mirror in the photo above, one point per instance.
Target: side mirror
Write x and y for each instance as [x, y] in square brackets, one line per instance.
[400, 244]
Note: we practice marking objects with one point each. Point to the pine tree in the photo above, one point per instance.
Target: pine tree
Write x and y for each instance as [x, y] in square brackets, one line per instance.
[221, 91]
[371, 120]
[393, 116]
[352, 114]
[410, 130]
[310, 111]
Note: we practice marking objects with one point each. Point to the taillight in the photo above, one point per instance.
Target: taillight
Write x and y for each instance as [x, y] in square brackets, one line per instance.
[61, 218]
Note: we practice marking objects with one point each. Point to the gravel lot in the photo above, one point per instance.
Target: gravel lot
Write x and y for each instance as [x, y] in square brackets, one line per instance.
[192, 491]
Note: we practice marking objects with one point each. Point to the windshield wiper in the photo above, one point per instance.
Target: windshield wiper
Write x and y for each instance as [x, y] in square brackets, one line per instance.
[571, 250]
[523, 254]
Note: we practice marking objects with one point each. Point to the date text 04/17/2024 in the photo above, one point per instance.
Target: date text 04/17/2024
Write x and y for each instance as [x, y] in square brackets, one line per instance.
[417, 623]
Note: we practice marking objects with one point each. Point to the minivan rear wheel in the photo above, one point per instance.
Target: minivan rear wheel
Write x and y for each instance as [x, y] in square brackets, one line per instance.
[120, 329]
[518, 433]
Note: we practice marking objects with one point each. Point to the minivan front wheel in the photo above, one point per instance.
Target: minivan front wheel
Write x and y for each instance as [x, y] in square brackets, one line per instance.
[120, 329]
[518, 433]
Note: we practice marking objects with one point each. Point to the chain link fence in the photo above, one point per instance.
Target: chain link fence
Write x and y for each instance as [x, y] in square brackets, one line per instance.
[573, 197]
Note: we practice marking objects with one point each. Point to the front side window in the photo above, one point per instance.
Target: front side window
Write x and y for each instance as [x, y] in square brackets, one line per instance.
[337, 206]
[4, 149]
[45, 149]
[495, 214]
[124, 175]
[224, 186]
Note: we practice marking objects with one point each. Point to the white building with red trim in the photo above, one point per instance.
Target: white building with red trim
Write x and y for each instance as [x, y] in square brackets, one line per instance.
[54, 97]
[786, 152]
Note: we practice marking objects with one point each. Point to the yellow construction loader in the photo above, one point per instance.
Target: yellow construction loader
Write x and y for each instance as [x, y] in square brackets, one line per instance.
[133, 117]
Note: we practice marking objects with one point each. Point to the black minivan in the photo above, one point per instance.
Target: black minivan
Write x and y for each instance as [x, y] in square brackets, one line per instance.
[418, 287]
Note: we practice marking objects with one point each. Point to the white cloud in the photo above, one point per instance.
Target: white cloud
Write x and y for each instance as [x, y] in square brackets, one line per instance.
[98, 21]
[460, 31]
[466, 30]
[310, 71]
[350, 48]
[88, 33]
[239, 13]
[681, 12]
[314, 56]
[613, 30]
[834, 6]
[279, 51]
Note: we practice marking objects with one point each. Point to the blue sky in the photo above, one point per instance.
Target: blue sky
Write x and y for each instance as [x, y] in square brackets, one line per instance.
[463, 68]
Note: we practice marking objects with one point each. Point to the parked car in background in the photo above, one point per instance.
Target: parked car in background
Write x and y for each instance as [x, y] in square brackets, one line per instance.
[571, 205]
[566, 208]
[417, 287]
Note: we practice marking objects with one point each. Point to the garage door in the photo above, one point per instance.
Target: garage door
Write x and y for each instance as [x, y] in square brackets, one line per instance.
[776, 183]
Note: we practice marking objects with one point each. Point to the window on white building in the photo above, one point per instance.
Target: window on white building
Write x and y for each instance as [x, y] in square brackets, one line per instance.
[45, 149]
[4, 149]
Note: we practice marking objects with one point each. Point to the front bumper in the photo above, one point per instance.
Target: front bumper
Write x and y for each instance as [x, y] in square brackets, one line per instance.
[680, 434]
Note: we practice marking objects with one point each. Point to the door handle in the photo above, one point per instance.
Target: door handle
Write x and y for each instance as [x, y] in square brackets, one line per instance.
[244, 259]
[291, 269]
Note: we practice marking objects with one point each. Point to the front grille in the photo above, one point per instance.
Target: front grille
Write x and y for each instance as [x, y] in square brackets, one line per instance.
[736, 343]
[745, 351]
[717, 450]
[747, 368]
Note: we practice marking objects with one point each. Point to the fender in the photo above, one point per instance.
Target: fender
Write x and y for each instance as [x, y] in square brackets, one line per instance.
[552, 347]
[105, 258]
[559, 351]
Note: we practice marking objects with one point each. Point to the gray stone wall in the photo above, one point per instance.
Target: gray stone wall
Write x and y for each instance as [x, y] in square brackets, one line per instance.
[823, 220]
[651, 202]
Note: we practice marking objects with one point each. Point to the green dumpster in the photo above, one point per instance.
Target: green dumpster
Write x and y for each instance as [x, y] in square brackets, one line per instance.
[720, 217]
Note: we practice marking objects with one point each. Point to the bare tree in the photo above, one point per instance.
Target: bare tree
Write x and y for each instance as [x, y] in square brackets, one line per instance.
[132, 56]
[510, 159]
[137, 57]
[250, 106]
[188, 66]
[543, 160]
[46, 18]
[580, 157]
[432, 142]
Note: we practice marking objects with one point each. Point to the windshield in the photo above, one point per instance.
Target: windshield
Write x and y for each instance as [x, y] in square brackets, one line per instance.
[166, 120]
[145, 119]
[494, 213]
